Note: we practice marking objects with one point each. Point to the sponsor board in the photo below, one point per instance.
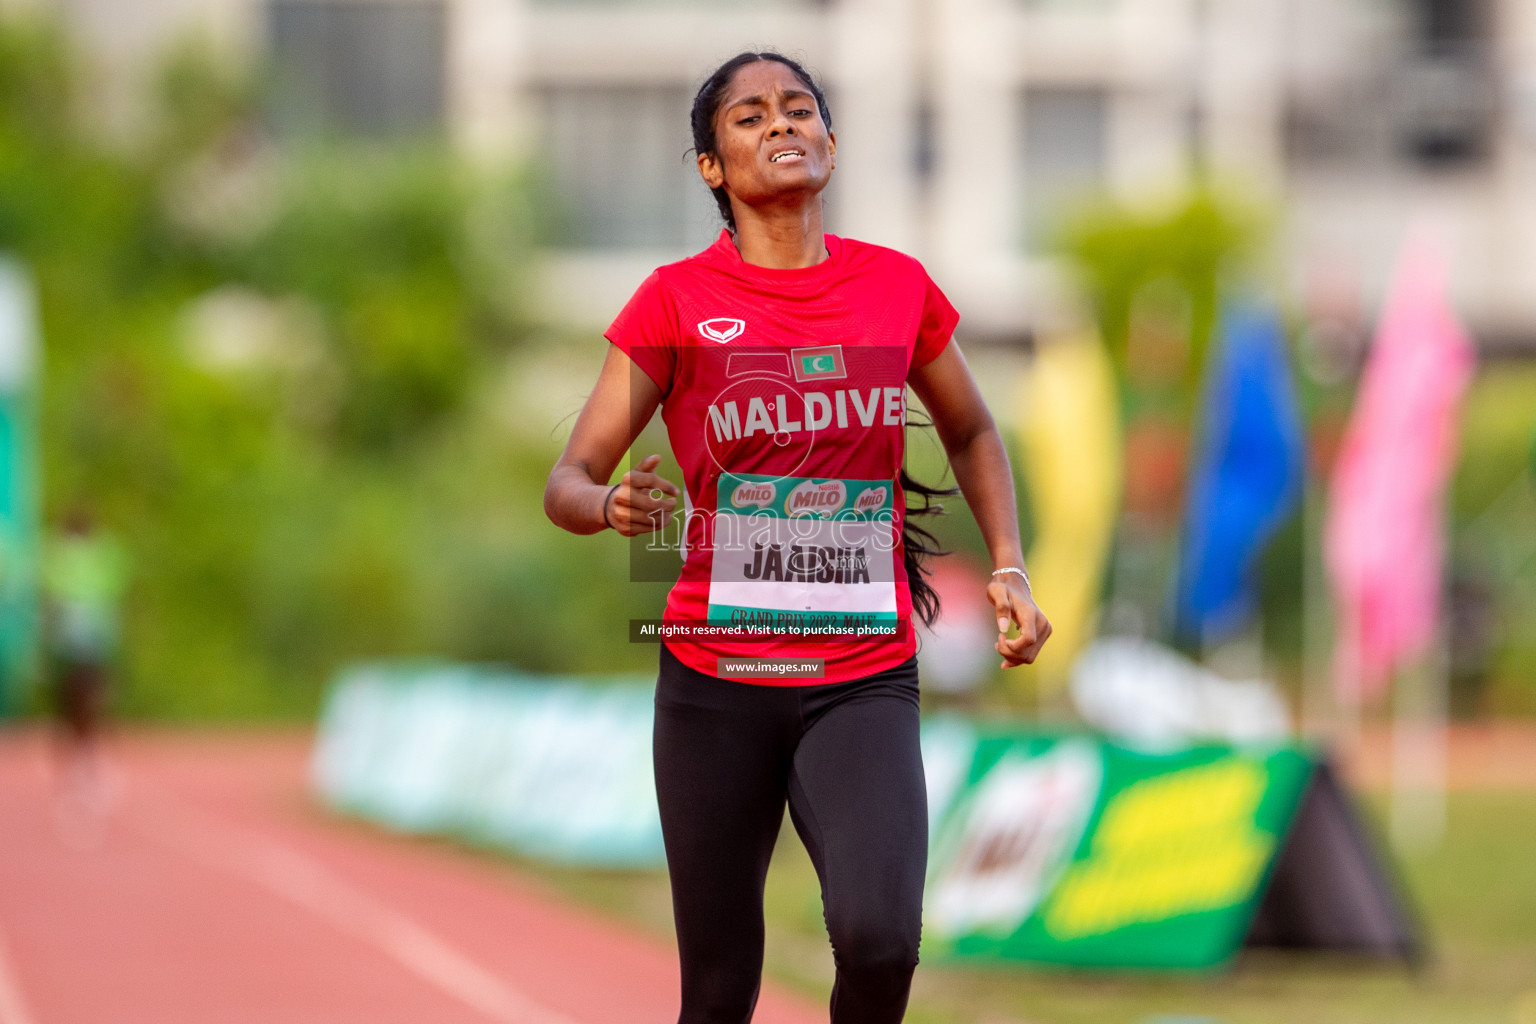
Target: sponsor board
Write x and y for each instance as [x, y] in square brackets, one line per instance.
[1069, 851]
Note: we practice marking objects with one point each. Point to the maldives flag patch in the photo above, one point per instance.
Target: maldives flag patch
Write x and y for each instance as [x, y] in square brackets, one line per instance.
[822, 363]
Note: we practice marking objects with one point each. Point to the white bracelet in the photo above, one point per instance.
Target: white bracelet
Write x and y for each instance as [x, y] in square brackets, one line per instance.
[1014, 568]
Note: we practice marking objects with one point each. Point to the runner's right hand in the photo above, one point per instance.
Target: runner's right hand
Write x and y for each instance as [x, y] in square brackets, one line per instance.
[633, 509]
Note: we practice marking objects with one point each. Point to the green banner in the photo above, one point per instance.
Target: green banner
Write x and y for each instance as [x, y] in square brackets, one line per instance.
[18, 487]
[557, 769]
[1069, 850]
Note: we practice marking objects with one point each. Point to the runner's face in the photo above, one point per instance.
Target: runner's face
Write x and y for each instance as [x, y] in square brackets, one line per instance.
[770, 141]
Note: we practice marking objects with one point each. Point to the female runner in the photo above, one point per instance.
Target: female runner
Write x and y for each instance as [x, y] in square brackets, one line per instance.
[779, 357]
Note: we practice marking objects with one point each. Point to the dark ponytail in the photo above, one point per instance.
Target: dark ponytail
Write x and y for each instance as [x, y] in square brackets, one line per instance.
[917, 544]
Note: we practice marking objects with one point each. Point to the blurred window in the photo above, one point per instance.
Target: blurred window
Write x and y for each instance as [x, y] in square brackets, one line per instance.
[925, 141]
[1062, 163]
[1446, 87]
[707, 4]
[617, 159]
[1068, 5]
[374, 68]
[1450, 22]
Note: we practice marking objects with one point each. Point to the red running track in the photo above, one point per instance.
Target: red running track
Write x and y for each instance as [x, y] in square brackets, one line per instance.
[216, 893]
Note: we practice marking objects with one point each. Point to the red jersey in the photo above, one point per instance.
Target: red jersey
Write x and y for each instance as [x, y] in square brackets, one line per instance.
[784, 396]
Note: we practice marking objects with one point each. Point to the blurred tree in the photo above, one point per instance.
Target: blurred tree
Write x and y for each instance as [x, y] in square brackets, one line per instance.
[382, 255]
[267, 369]
[1168, 260]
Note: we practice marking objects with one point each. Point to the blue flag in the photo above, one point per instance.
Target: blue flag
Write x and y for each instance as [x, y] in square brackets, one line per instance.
[1246, 478]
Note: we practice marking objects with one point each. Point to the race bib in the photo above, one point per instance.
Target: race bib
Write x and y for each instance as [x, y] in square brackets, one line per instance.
[804, 555]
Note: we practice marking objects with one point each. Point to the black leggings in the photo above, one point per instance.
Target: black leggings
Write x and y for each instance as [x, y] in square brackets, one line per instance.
[846, 758]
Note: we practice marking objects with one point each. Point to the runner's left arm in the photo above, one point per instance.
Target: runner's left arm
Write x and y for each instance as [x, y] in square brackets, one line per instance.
[980, 462]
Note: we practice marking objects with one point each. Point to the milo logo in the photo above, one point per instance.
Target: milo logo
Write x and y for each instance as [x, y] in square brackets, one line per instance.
[753, 492]
[870, 498]
[813, 499]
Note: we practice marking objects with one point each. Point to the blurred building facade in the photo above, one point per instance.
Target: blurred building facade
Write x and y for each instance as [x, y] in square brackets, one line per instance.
[965, 127]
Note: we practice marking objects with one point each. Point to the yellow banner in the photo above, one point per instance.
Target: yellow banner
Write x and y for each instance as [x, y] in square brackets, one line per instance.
[1069, 429]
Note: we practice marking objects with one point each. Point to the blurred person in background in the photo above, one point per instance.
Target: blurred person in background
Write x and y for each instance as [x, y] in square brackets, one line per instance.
[850, 319]
[85, 574]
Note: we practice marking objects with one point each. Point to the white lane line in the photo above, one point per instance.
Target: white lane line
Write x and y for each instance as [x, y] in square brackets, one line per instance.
[305, 882]
[13, 1009]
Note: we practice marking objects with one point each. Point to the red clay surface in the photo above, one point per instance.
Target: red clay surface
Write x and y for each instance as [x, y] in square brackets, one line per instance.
[1493, 755]
[217, 893]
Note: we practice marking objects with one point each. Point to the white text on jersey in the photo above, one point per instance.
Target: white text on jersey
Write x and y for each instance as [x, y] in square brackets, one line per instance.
[819, 411]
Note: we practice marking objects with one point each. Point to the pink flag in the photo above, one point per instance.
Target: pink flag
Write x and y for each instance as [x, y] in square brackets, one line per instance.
[1384, 540]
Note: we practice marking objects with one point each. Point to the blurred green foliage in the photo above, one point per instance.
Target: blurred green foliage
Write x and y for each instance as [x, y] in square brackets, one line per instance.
[1493, 571]
[274, 373]
[1189, 253]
